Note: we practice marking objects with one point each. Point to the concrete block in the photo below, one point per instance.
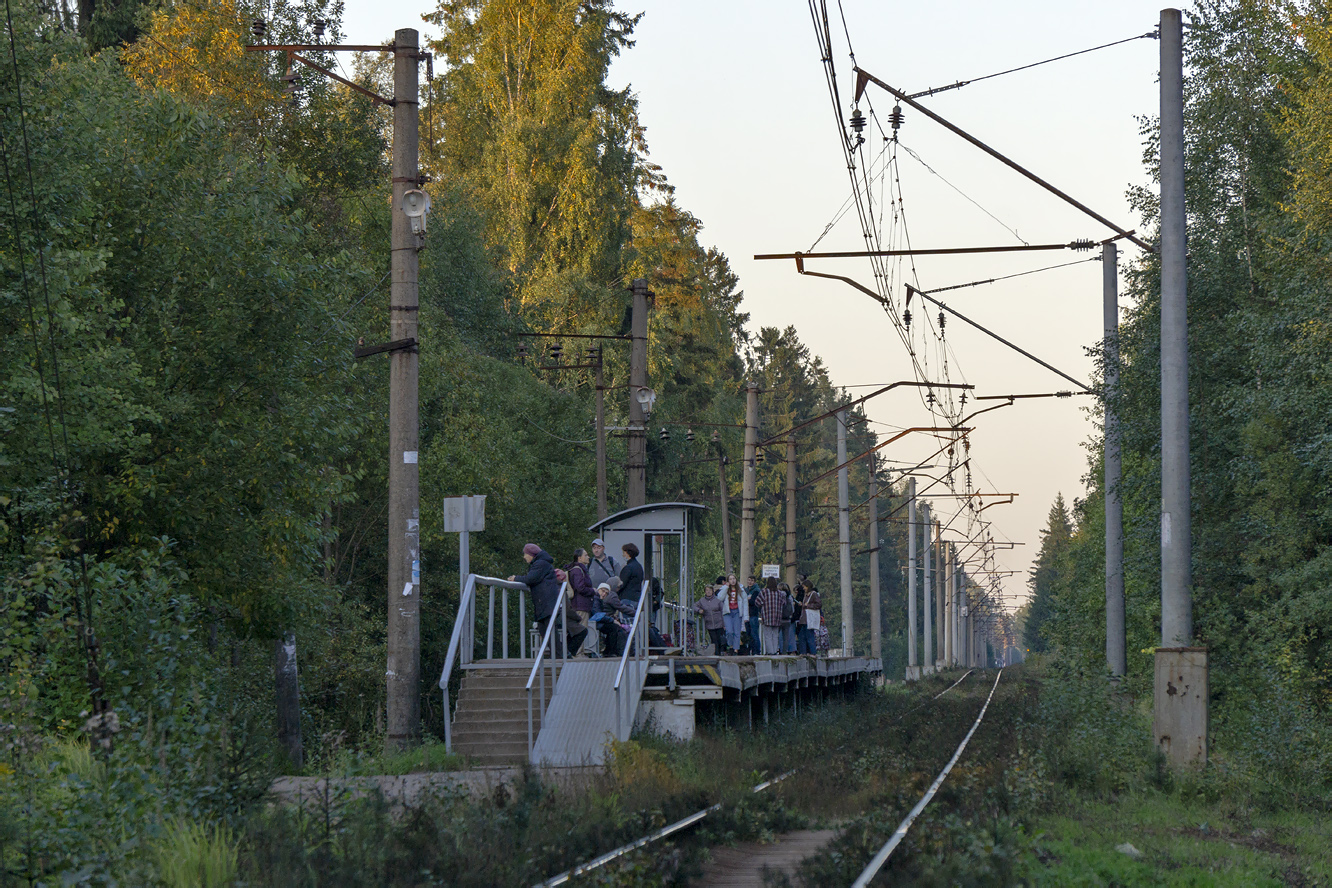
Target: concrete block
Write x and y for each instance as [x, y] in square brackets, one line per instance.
[1180, 710]
[912, 673]
[671, 718]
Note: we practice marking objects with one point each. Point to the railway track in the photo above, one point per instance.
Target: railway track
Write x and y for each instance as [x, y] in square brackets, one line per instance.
[902, 757]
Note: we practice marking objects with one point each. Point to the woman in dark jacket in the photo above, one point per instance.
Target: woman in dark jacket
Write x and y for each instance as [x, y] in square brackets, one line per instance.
[631, 575]
[582, 602]
[541, 579]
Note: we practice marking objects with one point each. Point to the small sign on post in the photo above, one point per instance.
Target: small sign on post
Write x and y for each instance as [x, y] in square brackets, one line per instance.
[772, 570]
[462, 515]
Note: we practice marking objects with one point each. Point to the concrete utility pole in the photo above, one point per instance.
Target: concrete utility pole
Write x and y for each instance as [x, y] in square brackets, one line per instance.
[876, 599]
[748, 488]
[638, 379]
[940, 618]
[1180, 710]
[913, 664]
[403, 697]
[791, 513]
[722, 488]
[844, 536]
[1116, 656]
[602, 508]
[927, 595]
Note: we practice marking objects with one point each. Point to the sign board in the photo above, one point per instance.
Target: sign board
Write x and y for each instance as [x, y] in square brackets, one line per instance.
[772, 570]
[464, 513]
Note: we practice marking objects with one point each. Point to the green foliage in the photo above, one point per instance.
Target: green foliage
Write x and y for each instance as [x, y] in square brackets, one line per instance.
[193, 855]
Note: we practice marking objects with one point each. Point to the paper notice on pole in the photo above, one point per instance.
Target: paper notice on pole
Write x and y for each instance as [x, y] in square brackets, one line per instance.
[409, 456]
[406, 589]
[772, 570]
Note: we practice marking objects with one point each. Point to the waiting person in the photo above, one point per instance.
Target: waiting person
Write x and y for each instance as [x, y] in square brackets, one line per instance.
[752, 590]
[810, 617]
[603, 567]
[710, 606]
[540, 579]
[770, 608]
[609, 608]
[735, 610]
[788, 619]
[631, 575]
[581, 603]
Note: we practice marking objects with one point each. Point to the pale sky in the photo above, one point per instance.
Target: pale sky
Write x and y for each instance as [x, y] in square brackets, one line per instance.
[737, 112]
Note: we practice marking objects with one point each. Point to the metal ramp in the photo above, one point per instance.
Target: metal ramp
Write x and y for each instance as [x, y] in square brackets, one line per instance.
[586, 711]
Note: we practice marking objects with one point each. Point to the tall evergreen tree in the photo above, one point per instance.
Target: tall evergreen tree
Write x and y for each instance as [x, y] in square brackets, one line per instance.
[1046, 575]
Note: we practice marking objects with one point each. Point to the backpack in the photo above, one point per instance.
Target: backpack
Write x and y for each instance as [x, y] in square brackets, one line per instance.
[788, 607]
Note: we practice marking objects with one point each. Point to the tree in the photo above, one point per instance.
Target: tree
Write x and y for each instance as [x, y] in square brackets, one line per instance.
[1046, 576]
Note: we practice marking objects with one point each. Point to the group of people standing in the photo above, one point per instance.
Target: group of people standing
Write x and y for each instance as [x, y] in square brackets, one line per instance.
[602, 592]
[765, 619]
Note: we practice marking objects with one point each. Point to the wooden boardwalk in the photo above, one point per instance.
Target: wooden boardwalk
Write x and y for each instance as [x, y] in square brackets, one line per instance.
[743, 865]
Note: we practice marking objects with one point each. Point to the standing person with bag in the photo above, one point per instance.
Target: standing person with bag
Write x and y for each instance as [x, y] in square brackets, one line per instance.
[541, 580]
[812, 616]
[770, 607]
[582, 597]
[752, 590]
[603, 568]
[788, 619]
[735, 610]
[710, 606]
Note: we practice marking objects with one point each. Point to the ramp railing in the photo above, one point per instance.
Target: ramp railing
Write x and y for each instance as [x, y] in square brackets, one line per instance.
[626, 693]
[557, 660]
[462, 643]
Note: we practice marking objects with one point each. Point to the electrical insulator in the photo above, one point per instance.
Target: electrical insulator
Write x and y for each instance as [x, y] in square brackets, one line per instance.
[758, 457]
[689, 435]
[857, 120]
[964, 399]
[716, 436]
[592, 354]
[929, 397]
[665, 435]
[942, 320]
[896, 118]
[556, 352]
[906, 318]
[966, 443]
[522, 351]
[290, 78]
[1082, 245]
[259, 28]
[320, 25]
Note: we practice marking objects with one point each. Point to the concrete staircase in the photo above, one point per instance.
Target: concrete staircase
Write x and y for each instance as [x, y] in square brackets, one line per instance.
[490, 721]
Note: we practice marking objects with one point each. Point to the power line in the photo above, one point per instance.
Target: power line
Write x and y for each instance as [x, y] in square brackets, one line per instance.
[969, 198]
[961, 83]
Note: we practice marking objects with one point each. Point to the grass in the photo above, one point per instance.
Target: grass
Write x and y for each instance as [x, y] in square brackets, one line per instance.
[193, 855]
[430, 756]
[1182, 843]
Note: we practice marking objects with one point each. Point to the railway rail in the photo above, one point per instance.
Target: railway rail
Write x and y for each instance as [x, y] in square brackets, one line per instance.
[873, 866]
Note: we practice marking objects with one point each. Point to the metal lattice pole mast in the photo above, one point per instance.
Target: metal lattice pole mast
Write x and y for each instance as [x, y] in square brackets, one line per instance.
[404, 513]
[638, 378]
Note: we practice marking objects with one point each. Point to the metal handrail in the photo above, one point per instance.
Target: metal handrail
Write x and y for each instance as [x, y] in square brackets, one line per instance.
[560, 610]
[633, 628]
[632, 643]
[466, 607]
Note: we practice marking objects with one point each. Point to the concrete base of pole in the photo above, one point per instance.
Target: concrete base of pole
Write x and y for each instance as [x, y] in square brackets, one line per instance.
[1180, 711]
[912, 673]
